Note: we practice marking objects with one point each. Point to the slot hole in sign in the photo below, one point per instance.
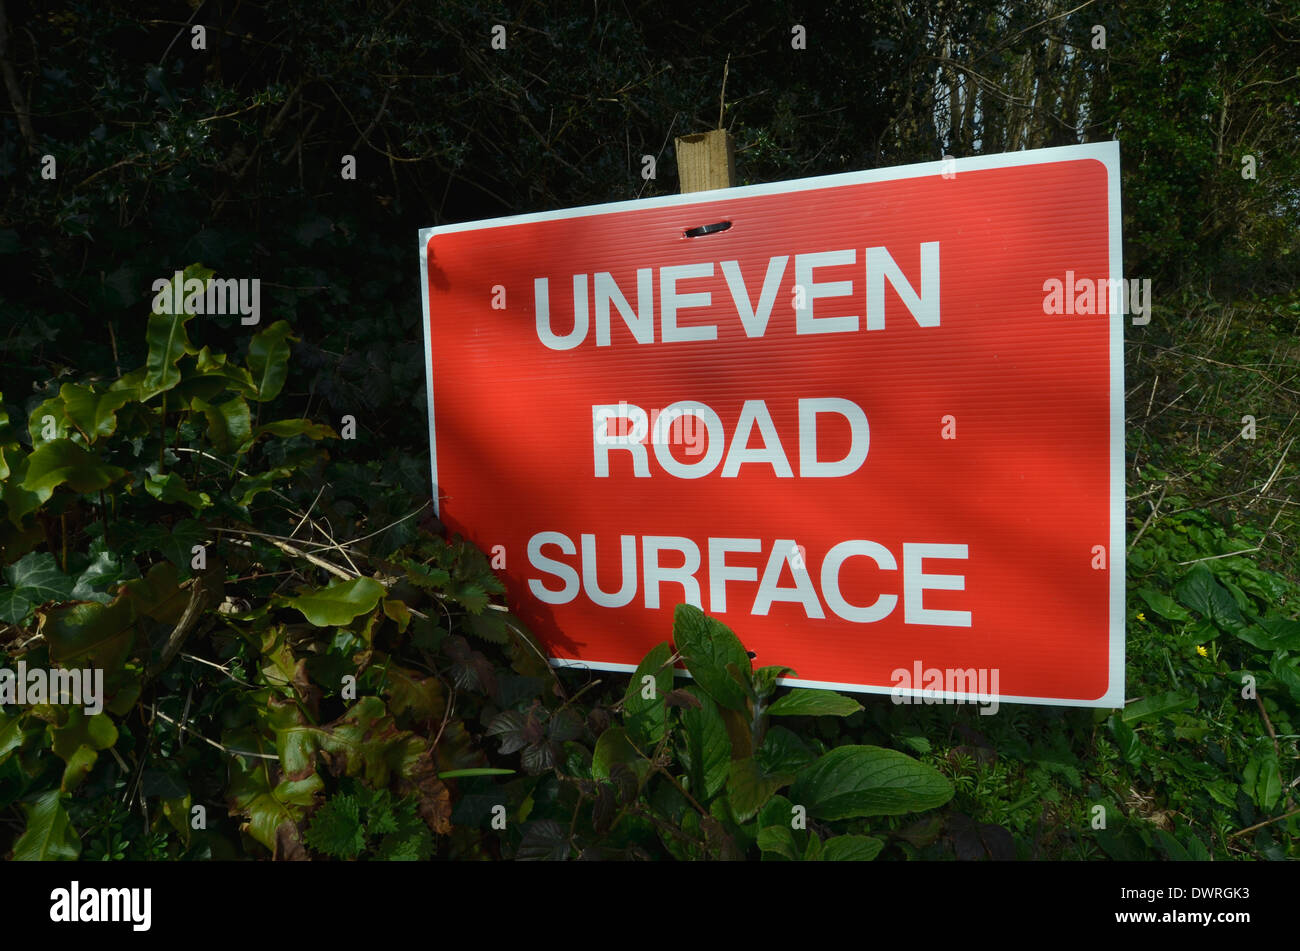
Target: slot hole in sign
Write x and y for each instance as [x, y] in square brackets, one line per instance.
[706, 229]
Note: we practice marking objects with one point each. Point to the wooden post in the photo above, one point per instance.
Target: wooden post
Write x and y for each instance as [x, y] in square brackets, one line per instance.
[706, 160]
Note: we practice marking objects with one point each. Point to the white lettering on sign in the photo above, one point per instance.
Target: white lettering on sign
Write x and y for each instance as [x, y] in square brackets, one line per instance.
[676, 561]
[753, 415]
[676, 301]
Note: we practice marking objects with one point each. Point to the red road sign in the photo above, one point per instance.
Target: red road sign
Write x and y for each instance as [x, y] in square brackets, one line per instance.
[854, 422]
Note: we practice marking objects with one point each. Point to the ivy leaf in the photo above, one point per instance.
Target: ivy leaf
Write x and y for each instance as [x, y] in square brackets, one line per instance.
[708, 647]
[103, 571]
[62, 461]
[337, 604]
[35, 579]
[49, 835]
[268, 359]
[171, 488]
[853, 781]
[336, 829]
[813, 703]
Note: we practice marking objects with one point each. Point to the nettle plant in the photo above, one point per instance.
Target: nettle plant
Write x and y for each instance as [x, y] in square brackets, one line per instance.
[698, 771]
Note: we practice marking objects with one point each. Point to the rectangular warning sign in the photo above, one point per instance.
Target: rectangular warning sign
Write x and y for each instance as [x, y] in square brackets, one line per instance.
[873, 422]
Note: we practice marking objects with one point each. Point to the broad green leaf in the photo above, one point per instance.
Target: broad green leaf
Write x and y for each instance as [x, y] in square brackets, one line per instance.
[336, 829]
[749, 787]
[851, 848]
[1201, 592]
[1284, 669]
[1273, 633]
[1153, 707]
[229, 423]
[52, 409]
[171, 488]
[645, 717]
[94, 413]
[783, 752]
[853, 781]
[780, 841]
[707, 752]
[268, 359]
[813, 703]
[1163, 605]
[708, 646]
[168, 340]
[49, 835]
[87, 633]
[612, 749]
[273, 810]
[339, 603]
[216, 367]
[55, 463]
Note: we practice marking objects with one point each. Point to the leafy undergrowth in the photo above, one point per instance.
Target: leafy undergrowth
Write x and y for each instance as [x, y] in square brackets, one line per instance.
[297, 664]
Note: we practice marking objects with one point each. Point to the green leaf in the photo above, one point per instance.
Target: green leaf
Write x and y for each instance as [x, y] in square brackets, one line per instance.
[168, 341]
[78, 743]
[87, 633]
[1153, 707]
[229, 423]
[765, 680]
[49, 835]
[92, 584]
[814, 703]
[35, 579]
[1273, 634]
[749, 787]
[338, 603]
[708, 646]
[268, 359]
[62, 461]
[851, 848]
[707, 754]
[171, 488]
[778, 840]
[1202, 593]
[783, 752]
[645, 718]
[612, 749]
[298, 427]
[1163, 605]
[336, 829]
[853, 781]
[1126, 740]
[95, 414]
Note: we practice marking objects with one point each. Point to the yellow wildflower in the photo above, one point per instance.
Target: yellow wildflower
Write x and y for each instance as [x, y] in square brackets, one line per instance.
[1141, 616]
[1202, 651]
